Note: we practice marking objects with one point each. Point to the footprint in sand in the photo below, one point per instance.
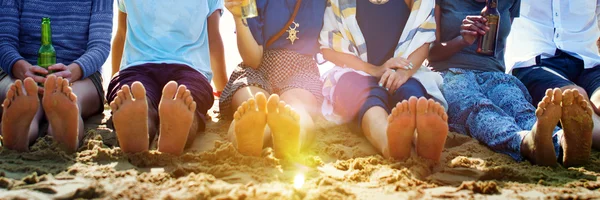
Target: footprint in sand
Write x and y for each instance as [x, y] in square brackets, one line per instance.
[176, 113]
[19, 110]
[250, 122]
[401, 129]
[432, 129]
[130, 113]
[285, 127]
[60, 106]
[577, 124]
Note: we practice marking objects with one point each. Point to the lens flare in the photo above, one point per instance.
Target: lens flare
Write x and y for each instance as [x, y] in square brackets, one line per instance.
[298, 181]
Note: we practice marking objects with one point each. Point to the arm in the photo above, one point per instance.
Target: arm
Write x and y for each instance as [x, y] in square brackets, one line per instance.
[98, 45]
[9, 39]
[249, 49]
[444, 50]
[119, 42]
[351, 61]
[217, 51]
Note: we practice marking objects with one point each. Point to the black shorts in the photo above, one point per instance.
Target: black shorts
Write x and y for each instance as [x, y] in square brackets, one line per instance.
[556, 72]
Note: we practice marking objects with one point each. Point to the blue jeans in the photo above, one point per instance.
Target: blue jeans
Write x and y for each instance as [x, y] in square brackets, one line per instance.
[492, 107]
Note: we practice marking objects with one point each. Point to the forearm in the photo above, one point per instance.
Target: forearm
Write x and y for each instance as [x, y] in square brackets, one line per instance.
[217, 53]
[444, 50]
[248, 48]
[117, 53]
[347, 60]
[418, 56]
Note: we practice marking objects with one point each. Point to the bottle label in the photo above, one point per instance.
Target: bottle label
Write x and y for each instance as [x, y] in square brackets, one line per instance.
[488, 41]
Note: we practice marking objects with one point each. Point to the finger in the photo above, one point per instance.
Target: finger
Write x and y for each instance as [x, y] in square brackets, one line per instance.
[57, 67]
[474, 18]
[467, 32]
[384, 77]
[38, 69]
[391, 80]
[36, 78]
[475, 28]
[64, 74]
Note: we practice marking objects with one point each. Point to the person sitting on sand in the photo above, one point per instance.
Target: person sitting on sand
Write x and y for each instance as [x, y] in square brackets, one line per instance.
[277, 48]
[163, 85]
[554, 46]
[492, 106]
[378, 48]
[73, 86]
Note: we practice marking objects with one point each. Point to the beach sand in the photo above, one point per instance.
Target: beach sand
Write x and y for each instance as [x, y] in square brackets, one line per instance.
[341, 164]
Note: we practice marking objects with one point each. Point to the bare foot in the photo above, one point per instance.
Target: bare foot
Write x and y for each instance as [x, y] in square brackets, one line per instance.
[130, 118]
[176, 114]
[62, 112]
[250, 122]
[285, 127]
[401, 129]
[432, 129]
[19, 110]
[577, 124]
[537, 146]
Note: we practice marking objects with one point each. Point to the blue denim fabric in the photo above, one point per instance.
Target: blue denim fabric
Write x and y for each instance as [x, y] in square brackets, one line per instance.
[492, 107]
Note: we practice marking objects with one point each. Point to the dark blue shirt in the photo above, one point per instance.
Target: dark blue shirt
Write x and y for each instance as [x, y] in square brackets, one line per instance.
[381, 26]
[452, 14]
[274, 14]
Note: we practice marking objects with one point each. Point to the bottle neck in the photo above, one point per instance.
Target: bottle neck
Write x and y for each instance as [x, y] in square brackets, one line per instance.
[491, 4]
[46, 34]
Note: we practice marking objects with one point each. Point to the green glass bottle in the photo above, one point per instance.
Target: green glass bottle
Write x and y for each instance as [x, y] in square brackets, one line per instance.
[46, 53]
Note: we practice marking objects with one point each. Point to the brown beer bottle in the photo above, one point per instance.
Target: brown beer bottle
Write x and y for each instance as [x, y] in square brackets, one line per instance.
[487, 42]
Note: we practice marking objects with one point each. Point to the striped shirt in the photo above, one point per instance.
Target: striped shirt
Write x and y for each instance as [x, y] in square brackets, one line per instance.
[81, 32]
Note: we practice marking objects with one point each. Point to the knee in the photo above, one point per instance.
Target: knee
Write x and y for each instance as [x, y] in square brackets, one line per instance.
[411, 88]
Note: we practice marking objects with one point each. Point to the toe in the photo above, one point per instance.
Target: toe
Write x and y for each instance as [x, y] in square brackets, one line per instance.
[6, 103]
[557, 96]
[50, 84]
[567, 99]
[189, 100]
[181, 91]
[126, 93]
[169, 90]
[72, 96]
[118, 101]
[422, 106]
[287, 110]
[272, 103]
[431, 106]
[138, 90]
[10, 94]
[30, 86]
[243, 108]
[18, 88]
[236, 116]
[192, 106]
[261, 101]
[412, 105]
[114, 106]
[251, 105]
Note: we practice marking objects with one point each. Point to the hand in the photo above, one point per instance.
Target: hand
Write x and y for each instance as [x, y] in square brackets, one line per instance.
[392, 63]
[471, 27]
[60, 70]
[393, 79]
[235, 7]
[22, 69]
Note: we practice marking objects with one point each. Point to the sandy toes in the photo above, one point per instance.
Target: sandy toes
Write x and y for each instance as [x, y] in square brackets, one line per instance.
[19, 110]
[250, 122]
[60, 106]
[285, 127]
[432, 129]
[401, 129]
[538, 145]
[577, 124]
[130, 118]
[176, 114]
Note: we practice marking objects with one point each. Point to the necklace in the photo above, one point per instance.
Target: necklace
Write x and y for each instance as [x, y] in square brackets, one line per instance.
[292, 32]
[379, 2]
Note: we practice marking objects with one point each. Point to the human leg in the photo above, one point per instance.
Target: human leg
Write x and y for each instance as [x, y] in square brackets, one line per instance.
[134, 102]
[21, 113]
[244, 99]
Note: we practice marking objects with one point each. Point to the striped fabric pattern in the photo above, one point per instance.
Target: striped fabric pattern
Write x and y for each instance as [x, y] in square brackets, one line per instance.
[81, 31]
[341, 33]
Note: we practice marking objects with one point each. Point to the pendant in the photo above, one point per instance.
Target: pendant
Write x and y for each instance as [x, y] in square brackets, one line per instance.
[378, 2]
[292, 32]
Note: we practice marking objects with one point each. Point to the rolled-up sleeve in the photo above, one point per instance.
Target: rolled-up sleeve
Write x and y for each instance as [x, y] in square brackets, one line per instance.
[9, 34]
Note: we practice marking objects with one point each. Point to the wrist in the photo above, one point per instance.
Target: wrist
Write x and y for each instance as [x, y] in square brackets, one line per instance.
[462, 42]
[76, 72]
[19, 69]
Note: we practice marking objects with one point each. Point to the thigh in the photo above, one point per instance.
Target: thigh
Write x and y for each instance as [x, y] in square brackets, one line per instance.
[589, 80]
[538, 79]
[352, 91]
[130, 75]
[463, 94]
[303, 99]
[246, 80]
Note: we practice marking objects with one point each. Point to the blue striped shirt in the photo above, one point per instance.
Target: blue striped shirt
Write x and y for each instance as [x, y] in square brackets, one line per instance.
[81, 31]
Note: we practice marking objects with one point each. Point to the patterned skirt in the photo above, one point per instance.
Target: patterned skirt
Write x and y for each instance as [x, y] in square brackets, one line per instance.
[280, 71]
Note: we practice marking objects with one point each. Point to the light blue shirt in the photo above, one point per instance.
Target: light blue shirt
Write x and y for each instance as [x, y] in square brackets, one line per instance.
[160, 31]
